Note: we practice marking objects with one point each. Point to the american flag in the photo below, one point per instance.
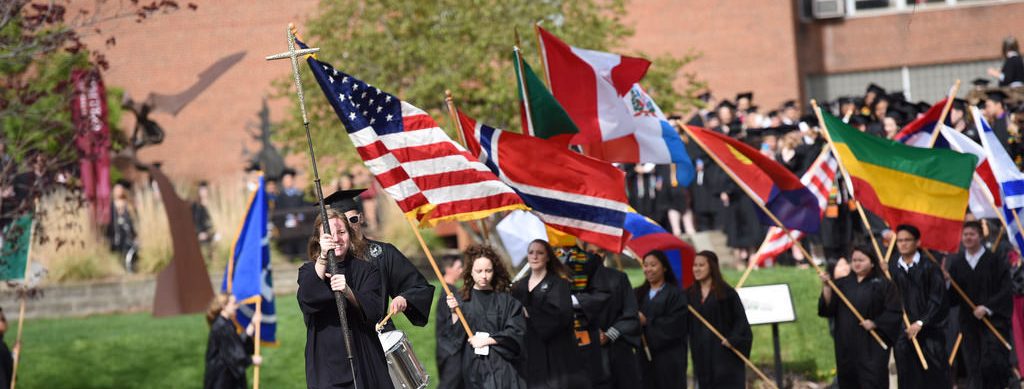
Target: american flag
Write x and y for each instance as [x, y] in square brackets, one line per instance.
[819, 178]
[431, 177]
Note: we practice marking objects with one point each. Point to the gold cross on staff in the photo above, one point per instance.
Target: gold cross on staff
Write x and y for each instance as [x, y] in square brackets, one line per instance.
[294, 55]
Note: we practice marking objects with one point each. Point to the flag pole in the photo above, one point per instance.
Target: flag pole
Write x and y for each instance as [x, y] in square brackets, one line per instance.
[785, 229]
[23, 297]
[967, 299]
[256, 345]
[540, 52]
[437, 272]
[945, 111]
[956, 347]
[867, 226]
[332, 263]
[731, 348]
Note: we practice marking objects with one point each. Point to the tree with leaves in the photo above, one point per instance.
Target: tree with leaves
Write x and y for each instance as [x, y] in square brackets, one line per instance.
[417, 49]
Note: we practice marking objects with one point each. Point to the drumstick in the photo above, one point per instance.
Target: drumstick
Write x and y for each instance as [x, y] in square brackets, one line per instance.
[380, 326]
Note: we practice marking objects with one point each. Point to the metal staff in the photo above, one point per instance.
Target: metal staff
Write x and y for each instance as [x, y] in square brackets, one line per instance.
[332, 262]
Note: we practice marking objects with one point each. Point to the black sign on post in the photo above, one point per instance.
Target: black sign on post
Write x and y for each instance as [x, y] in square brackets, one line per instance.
[769, 304]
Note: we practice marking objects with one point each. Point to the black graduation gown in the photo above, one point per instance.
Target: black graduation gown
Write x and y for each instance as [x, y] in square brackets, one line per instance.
[228, 353]
[399, 277]
[923, 292]
[986, 361]
[6, 364]
[551, 353]
[501, 316]
[1013, 70]
[714, 365]
[326, 360]
[665, 332]
[449, 348]
[610, 306]
[860, 361]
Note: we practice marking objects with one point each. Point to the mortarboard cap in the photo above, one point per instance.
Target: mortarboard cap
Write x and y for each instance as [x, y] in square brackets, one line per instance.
[859, 119]
[897, 96]
[753, 108]
[874, 88]
[288, 172]
[343, 200]
[996, 95]
[810, 119]
[789, 104]
[923, 106]
[746, 95]
[773, 113]
[981, 82]
[705, 97]
[845, 100]
[959, 104]
[727, 104]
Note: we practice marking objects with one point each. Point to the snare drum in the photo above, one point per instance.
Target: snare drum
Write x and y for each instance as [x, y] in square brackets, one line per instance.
[406, 371]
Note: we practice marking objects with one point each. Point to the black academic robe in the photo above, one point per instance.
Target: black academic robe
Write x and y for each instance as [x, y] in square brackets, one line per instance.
[1013, 71]
[399, 277]
[551, 353]
[860, 360]
[986, 360]
[665, 334]
[923, 292]
[501, 316]
[228, 353]
[714, 365]
[449, 347]
[1001, 129]
[706, 190]
[6, 364]
[327, 363]
[610, 307]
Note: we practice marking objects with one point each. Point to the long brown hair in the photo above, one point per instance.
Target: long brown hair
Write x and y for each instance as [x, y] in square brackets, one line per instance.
[500, 281]
[356, 244]
[553, 266]
[216, 306]
[718, 284]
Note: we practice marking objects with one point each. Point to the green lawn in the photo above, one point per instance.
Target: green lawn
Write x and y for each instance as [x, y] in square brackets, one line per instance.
[137, 350]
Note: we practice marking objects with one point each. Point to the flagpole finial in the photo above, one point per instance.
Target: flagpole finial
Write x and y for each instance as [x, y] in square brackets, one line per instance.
[293, 55]
[448, 95]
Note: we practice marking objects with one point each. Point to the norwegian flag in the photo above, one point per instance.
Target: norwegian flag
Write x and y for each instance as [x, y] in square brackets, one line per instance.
[819, 178]
[431, 177]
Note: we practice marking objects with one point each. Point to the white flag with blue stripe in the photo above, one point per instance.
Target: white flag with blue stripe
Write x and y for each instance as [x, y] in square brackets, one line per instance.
[1010, 179]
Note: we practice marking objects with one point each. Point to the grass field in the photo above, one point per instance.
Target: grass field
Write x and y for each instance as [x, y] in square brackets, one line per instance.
[137, 350]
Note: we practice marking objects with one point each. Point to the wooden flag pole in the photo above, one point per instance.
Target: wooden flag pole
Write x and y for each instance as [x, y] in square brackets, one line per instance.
[23, 298]
[440, 277]
[785, 229]
[945, 111]
[733, 349]
[256, 327]
[967, 300]
[956, 347]
[999, 239]
[867, 226]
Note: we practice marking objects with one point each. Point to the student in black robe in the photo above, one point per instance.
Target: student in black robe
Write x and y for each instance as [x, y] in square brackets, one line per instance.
[985, 278]
[327, 364]
[923, 293]
[6, 358]
[550, 341]
[228, 353]
[409, 291]
[449, 348]
[860, 361]
[714, 365]
[663, 316]
[492, 358]
[610, 310]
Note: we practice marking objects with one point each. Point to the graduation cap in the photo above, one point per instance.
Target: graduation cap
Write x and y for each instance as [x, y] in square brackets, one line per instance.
[705, 97]
[923, 106]
[960, 104]
[981, 82]
[727, 104]
[996, 95]
[772, 131]
[753, 108]
[252, 166]
[773, 113]
[897, 96]
[859, 119]
[343, 200]
[810, 119]
[896, 114]
[874, 88]
[745, 95]
[845, 100]
[288, 172]
[789, 104]
[124, 183]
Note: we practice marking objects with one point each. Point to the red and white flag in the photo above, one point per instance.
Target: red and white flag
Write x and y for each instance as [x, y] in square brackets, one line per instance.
[819, 179]
[591, 85]
[984, 188]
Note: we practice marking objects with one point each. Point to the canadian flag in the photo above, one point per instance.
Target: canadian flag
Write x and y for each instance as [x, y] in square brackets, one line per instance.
[591, 85]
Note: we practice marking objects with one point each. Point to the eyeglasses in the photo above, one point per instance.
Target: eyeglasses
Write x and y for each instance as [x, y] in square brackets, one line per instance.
[355, 219]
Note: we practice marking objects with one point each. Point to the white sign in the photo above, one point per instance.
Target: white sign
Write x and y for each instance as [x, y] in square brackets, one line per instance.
[767, 304]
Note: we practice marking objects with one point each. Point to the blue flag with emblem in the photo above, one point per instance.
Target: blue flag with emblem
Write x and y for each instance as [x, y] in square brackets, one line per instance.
[248, 275]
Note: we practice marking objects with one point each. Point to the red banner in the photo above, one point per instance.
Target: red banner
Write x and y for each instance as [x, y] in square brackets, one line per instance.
[92, 136]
